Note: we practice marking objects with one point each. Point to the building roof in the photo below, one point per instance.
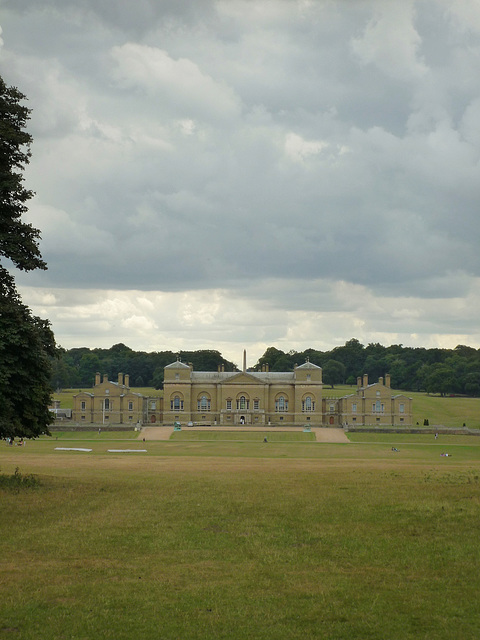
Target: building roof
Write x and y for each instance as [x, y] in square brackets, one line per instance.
[177, 365]
[308, 365]
[224, 376]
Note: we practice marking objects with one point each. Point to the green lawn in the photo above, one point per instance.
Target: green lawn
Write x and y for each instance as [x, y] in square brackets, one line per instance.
[92, 435]
[242, 540]
[243, 436]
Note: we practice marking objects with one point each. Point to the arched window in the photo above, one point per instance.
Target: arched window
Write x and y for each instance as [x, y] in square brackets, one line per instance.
[106, 404]
[243, 403]
[203, 403]
[281, 404]
[176, 403]
[308, 404]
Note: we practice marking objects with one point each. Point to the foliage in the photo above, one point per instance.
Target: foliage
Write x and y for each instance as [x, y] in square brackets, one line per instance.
[26, 342]
[18, 240]
[27, 346]
[333, 372]
[77, 367]
[443, 371]
[16, 481]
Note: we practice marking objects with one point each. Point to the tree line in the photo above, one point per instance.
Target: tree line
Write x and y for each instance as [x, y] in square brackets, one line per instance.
[442, 371]
[77, 367]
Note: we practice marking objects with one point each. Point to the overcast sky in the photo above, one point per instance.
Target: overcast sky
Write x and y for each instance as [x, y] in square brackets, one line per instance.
[246, 173]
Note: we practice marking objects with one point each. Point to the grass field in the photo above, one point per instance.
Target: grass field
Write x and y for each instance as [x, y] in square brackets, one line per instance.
[219, 539]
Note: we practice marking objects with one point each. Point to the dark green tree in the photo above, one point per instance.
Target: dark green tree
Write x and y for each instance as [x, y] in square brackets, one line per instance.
[26, 342]
[333, 373]
[441, 379]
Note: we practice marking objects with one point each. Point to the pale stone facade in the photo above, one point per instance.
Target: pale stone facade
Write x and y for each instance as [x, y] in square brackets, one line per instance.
[239, 398]
[242, 397]
[371, 404]
[113, 403]
[271, 398]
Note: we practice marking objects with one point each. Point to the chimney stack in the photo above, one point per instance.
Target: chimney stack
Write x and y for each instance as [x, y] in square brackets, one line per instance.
[365, 379]
[387, 380]
[244, 360]
[105, 377]
[359, 381]
[97, 378]
[127, 380]
[120, 378]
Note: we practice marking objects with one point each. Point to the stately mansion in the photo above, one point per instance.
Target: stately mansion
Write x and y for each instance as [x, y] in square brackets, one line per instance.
[238, 398]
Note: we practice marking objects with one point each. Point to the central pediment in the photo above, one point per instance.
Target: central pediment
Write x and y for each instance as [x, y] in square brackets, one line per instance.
[243, 378]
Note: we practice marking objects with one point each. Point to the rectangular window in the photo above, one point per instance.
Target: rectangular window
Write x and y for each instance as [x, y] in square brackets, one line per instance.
[402, 408]
[309, 377]
[332, 408]
[130, 417]
[256, 404]
[83, 417]
[354, 419]
[354, 407]
[401, 419]
[130, 406]
[84, 405]
[229, 405]
[153, 406]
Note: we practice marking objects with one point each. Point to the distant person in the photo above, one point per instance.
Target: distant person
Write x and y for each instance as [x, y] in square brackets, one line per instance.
[436, 436]
[265, 440]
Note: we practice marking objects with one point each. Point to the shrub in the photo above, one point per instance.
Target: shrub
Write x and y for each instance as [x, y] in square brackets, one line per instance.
[17, 481]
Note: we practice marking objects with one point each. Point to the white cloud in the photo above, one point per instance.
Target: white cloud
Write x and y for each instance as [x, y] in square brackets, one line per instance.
[179, 81]
[209, 176]
[300, 150]
[465, 13]
[391, 42]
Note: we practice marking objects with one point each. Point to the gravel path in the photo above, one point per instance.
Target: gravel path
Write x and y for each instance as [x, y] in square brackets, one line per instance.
[321, 434]
[330, 435]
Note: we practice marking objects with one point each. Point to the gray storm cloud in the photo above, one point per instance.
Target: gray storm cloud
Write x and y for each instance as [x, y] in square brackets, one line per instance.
[281, 153]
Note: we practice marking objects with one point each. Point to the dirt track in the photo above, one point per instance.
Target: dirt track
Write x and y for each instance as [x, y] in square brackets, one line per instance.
[321, 434]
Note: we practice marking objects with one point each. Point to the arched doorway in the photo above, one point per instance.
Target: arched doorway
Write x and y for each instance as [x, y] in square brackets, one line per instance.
[332, 420]
[153, 419]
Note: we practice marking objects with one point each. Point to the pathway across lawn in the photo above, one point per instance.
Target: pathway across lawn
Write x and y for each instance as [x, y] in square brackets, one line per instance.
[322, 434]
